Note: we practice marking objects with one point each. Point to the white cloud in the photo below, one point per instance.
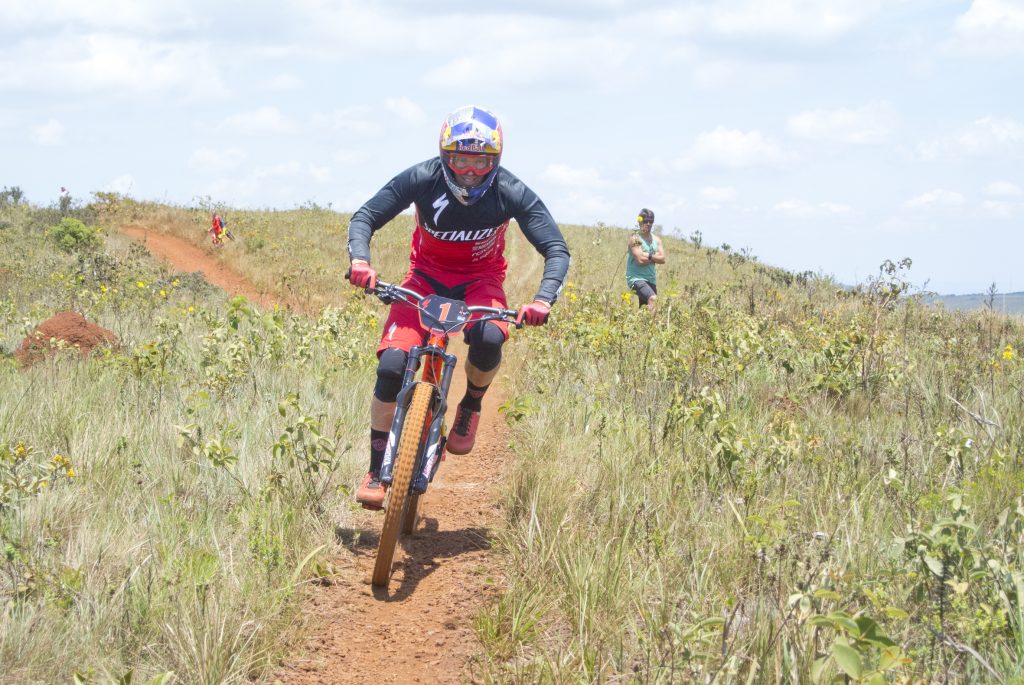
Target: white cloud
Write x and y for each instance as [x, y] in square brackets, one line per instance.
[732, 149]
[803, 19]
[50, 132]
[280, 183]
[1004, 189]
[359, 120]
[320, 174]
[215, 161]
[986, 136]
[554, 58]
[121, 64]
[800, 208]
[1000, 208]
[266, 119]
[405, 109]
[990, 133]
[718, 195]
[283, 81]
[349, 157]
[835, 208]
[935, 198]
[583, 206]
[565, 175]
[123, 15]
[122, 185]
[868, 125]
[991, 26]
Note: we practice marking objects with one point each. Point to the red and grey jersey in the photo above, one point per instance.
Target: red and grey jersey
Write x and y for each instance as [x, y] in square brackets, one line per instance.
[453, 239]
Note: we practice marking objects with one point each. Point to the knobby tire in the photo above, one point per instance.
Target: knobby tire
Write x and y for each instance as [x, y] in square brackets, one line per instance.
[409, 445]
[412, 515]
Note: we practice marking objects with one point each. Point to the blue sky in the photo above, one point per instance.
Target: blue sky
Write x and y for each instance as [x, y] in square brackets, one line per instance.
[823, 135]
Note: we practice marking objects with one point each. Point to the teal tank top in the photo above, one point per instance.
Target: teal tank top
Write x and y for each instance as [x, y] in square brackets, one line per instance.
[636, 272]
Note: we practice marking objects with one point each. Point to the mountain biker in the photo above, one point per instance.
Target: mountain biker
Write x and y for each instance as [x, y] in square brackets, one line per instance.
[464, 200]
[216, 229]
[645, 250]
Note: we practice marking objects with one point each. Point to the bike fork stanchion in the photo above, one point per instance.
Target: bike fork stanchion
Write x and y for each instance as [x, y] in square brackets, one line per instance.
[401, 407]
[402, 401]
[432, 454]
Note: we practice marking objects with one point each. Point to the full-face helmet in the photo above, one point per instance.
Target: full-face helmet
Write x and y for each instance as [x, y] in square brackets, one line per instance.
[470, 146]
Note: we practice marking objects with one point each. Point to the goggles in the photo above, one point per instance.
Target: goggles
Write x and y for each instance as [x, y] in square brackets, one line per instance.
[463, 164]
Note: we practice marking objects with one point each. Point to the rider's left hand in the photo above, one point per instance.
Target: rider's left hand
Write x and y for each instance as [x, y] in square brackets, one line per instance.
[533, 314]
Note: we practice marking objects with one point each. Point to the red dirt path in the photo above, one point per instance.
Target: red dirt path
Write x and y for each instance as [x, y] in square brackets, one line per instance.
[186, 257]
[444, 574]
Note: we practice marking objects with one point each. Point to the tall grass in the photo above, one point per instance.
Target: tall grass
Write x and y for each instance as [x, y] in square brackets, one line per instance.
[773, 480]
[161, 500]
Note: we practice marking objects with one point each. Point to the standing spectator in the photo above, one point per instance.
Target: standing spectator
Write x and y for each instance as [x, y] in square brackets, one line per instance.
[645, 250]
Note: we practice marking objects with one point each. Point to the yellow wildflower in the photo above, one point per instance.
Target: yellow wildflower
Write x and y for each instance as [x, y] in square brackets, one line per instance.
[1009, 353]
[140, 284]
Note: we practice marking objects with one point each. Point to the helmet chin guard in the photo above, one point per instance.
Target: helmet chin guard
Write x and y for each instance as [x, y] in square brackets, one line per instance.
[474, 131]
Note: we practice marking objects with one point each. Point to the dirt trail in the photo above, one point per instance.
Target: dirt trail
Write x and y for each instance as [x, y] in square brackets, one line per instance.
[419, 630]
[186, 257]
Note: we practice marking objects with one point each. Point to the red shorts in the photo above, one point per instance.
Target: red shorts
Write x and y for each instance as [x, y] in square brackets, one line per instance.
[402, 328]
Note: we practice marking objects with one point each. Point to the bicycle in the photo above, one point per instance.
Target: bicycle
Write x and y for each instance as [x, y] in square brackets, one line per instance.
[416, 440]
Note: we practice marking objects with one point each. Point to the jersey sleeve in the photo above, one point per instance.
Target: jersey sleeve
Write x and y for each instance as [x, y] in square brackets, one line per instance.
[385, 205]
[540, 229]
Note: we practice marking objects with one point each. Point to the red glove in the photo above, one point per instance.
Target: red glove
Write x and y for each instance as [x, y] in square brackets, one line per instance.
[362, 275]
[533, 314]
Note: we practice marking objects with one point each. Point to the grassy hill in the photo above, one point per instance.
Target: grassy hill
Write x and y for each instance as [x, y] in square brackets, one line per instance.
[774, 479]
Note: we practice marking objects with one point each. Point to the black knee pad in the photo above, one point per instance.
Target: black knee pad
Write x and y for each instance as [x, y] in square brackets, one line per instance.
[485, 341]
[390, 368]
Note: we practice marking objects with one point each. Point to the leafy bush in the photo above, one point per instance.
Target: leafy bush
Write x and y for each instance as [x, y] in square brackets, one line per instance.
[71, 235]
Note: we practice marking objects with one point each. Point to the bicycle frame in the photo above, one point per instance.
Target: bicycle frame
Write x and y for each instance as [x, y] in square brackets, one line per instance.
[442, 317]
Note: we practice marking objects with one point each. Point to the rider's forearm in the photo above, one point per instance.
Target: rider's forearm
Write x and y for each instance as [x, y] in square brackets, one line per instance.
[556, 266]
[359, 240]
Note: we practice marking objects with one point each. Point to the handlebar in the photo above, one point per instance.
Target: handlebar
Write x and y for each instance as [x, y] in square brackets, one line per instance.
[389, 293]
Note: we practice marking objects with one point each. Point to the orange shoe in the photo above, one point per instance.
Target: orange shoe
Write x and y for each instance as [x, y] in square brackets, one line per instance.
[463, 432]
[371, 493]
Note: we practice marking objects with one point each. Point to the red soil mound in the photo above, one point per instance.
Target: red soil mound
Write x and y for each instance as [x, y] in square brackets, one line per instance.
[71, 327]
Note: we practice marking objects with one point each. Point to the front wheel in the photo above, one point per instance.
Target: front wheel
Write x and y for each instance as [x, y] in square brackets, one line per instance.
[412, 515]
[417, 423]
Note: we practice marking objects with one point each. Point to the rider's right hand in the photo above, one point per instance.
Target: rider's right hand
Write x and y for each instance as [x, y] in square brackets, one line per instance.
[361, 274]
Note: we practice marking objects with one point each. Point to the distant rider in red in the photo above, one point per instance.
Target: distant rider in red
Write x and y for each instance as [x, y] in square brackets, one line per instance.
[464, 200]
[217, 230]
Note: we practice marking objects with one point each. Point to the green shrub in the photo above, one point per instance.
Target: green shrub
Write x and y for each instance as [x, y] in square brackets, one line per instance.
[71, 235]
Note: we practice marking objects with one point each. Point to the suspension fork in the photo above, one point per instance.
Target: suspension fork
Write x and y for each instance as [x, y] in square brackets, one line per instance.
[437, 359]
